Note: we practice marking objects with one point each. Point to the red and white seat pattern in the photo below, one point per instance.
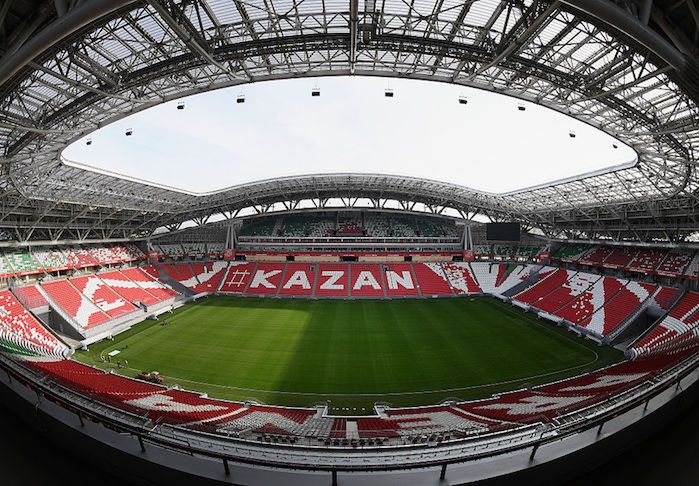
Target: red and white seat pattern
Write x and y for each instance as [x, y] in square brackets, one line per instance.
[432, 279]
[127, 288]
[674, 264]
[208, 275]
[30, 297]
[182, 272]
[591, 300]
[540, 404]
[152, 285]
[680, 323]
[574, 286]
[597, 255]
[266, 278]
[619, 307]
[460, 278]
[85, 313]
[550, 279]
[100, 294]
[665, 297]
[237, 277]
[298, 279]
[332, 280]
[399, 279]
[53, 260]
[498, 278]
[107, 254]
[19, 327]
[366, 280]
[646, 260]
[79, 257]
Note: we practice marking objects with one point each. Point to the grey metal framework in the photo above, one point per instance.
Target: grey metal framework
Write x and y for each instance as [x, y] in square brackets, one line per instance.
[70, 67]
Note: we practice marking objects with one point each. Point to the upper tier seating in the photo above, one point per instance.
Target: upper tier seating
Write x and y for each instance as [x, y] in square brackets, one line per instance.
[260, 227]
[79, 257]
[5, 269]
[591, 300]
[209, 275]
[403, 227]
[570, 252]
[377, 225]
[266, 278]
[152, 285]
[196, 249]
[432, 279]
[21, 333]
[171, 250]
[133, 252]
[237, 277]
[460, 278]
[646, 260]
[366, 280]
[21, 263]
[298, 279]
[106, 255]
[399, 279]
[504, 251]
[679, 323]
[596, 255]
[76, 305]
[349, 225]
[127, 288]
[215, 249]
[433, 229]
[619, 307]
[620, 257]
[332, 280]
[483, 250]
[102, 296]
[308, 226]
[51, 259]
[674, 264]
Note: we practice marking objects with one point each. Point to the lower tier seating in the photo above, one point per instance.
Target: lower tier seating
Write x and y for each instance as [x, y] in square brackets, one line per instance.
[100, 294]
[618, 308]
[461, 278]
[399, 279]
[152, 285]
[237, 277]
[85, 313]
[127, 288]
[266, 278]
[366, 280]
[332, 280]
[432, 279]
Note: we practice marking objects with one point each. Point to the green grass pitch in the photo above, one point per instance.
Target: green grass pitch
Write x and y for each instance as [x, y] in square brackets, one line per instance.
[352, 353]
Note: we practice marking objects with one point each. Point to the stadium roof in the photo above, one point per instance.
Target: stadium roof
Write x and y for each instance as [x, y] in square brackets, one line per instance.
[69, 68]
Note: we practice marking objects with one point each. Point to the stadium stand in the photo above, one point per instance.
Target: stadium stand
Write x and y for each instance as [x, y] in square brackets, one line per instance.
[332, 280]
[366, 280]
[549, 280]
[298, 279]
[646, 260]
[596, 255]
[30, 297]
[237, 277]
[399, 280]
[171, 250]
[618, 307]
[21, 333]
[182, 272]
[85, 313]
[665, 297]
[403, 227]
[79, 257]
[674, 264]
[208, 275]
[262, 227]
[308, 226]
[215, 249]
[53, 260]
[152, 285]
[620, 257]
[460, 278]
[498, 278]
[196, 250]
[21, 263]
[483, 250]
[100, 294]
[349, 225]
[591, 300]
[679, 323]
[266, 278]
[432, 279]
[127, 288]
[574, 285]
[5, 269]
[570, 252]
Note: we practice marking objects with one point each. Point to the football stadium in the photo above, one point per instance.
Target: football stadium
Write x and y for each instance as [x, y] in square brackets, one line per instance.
[381, 319]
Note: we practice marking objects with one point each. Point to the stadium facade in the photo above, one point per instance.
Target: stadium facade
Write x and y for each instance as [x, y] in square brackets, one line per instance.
[88, 254]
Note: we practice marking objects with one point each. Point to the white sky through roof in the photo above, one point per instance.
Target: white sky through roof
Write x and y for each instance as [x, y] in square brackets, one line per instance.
[281, 130]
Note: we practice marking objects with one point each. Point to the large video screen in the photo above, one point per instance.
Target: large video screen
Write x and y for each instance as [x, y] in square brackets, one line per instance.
[502, 231]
